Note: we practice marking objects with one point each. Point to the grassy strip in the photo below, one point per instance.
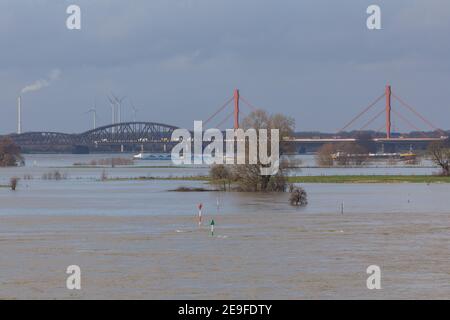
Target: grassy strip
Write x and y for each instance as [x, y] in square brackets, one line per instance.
[369, 179]
[317, 179]
[193, 178]
[123, 167]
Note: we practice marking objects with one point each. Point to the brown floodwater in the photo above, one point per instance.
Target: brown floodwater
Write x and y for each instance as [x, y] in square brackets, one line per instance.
[137, 240]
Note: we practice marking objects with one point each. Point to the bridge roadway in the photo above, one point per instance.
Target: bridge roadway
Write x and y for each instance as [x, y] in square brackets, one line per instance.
[388, 145]
[155, 137]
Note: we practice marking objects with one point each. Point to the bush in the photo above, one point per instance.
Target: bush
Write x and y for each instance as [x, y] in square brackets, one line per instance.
[298, 197]
[13, 183]
[54, 175]
[221, 175]
[107, 162]
[104, 176]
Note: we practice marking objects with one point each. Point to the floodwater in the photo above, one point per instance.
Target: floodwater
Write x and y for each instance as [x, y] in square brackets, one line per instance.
[138, 240]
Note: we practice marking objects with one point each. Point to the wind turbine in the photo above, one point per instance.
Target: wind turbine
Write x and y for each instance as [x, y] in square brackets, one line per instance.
[94, 112]
[118, 103]
[113, 112]
[113, 109]
[134, 111]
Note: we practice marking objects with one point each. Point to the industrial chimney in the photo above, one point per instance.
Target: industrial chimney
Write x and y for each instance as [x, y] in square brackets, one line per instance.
[19, 115]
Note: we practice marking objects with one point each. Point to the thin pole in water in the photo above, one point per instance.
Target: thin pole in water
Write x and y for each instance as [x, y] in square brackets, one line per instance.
[212, 227]
[342, 207]
[200, 206]
[218, 203]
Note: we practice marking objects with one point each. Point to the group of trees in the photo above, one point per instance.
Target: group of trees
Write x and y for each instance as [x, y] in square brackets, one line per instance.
[347, 153]
[10, 155]
[248, 177]
[343, 154]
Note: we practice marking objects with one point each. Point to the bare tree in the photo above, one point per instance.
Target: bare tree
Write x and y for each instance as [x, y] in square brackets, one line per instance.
[247, 177]
[221, 174]
[9, 153]
[324, 156]
[440, 152]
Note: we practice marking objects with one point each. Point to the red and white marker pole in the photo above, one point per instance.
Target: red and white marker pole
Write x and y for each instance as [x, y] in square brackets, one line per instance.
[200, 206]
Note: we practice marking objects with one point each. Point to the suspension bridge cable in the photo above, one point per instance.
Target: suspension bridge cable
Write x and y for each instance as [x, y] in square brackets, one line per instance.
[224, 120]
[362, 112]
[248, 104]
[404, 119]
[404, 104]
[372, 120]
[219, 110]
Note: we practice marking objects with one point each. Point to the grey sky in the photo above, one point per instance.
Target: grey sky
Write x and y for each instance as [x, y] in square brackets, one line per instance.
[179, 60]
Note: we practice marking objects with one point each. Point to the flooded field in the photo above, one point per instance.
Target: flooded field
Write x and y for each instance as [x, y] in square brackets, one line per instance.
[137, 239]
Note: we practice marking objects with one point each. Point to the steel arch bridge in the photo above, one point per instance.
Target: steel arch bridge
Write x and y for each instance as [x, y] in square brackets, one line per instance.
[43, 138]
[126, 134]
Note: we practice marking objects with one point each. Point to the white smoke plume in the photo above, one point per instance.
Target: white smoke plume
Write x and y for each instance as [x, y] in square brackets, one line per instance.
[42, 83]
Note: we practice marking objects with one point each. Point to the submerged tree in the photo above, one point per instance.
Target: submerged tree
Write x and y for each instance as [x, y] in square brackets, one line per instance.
[221, 175]
[298, 197]
[440, 152]
[9, 153]
[248, 176]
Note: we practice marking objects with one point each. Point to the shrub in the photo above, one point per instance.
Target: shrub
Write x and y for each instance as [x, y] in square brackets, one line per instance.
[54, 175]
[298, 197]
[13, 183]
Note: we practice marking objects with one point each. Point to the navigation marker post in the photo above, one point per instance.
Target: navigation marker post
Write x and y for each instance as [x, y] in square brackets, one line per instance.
[200, 206]
[212, 227]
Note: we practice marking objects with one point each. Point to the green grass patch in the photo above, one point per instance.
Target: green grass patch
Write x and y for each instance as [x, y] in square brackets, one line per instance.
[369, 179]
[314, 179]
[189, 178]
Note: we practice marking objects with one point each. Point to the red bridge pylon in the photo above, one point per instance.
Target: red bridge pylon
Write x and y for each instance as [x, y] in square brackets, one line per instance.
[388, 110]
[235, 113]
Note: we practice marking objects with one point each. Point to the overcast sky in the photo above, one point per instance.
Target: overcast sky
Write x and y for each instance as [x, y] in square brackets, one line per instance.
[179, 60]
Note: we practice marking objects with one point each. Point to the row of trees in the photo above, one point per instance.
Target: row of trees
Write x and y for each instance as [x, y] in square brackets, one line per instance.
[353, 153]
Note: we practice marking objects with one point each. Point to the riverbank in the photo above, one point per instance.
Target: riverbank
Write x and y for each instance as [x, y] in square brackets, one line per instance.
[317, 179]
[369, 179]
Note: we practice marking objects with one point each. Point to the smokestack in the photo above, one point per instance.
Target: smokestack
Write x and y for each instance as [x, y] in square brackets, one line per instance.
[19, 115]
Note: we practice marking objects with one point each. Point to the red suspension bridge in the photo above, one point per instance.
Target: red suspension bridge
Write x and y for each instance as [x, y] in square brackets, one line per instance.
[388, 110]
[359, 123]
